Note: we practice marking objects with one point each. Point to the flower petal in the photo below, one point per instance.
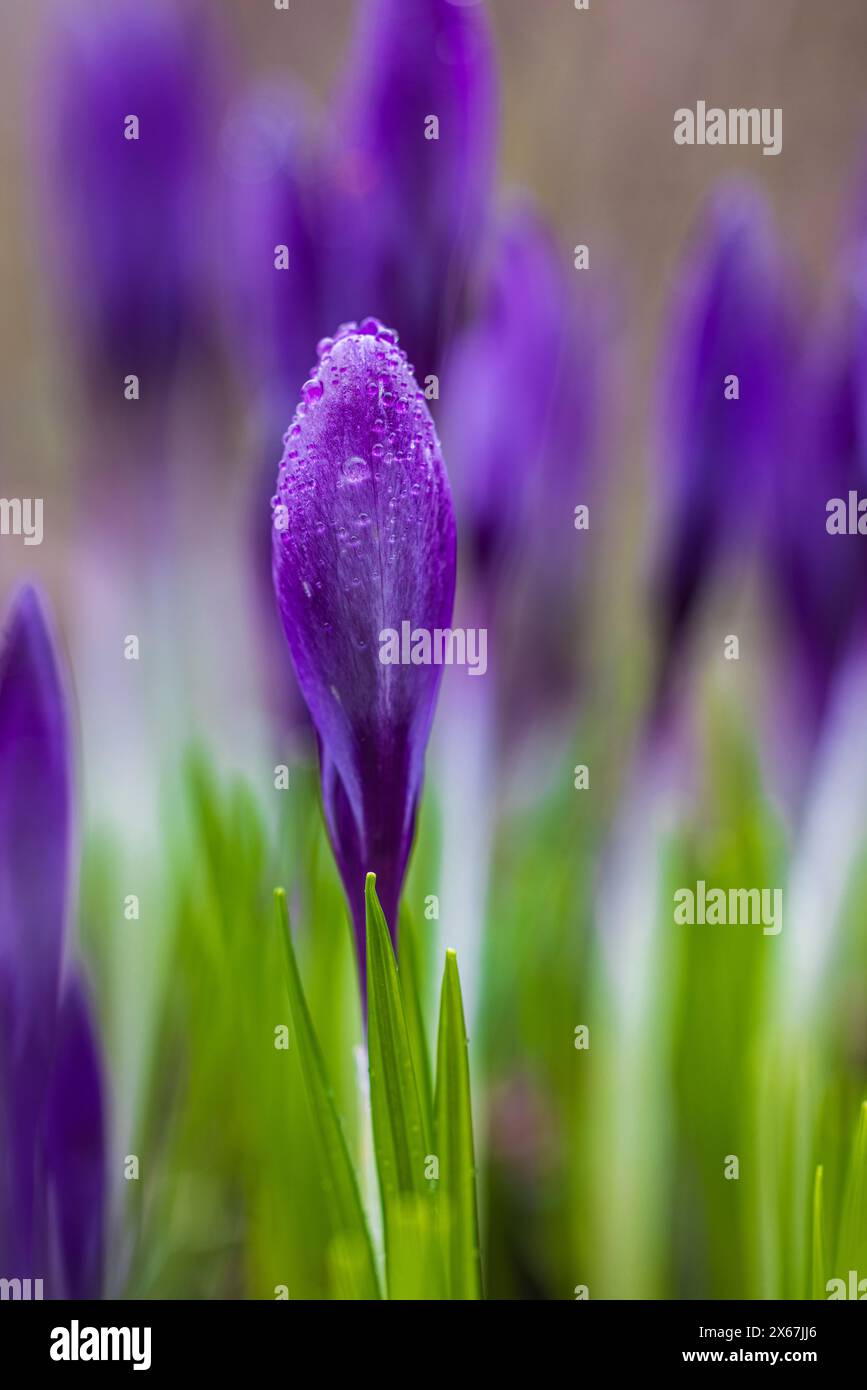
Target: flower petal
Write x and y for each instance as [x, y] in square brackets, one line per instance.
[74, 1143]
[718, 450]
[34, 868]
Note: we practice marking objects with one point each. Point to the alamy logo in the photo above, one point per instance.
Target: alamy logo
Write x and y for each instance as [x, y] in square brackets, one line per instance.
[22, 516]
[739, 125]
[21, 1289]
[714, 907]
[443, 646]
[855, 1289]
[75, 1343]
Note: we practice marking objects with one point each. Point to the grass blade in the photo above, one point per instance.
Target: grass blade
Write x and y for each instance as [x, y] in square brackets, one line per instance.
[818, 1290]
[398, 1122]
[852, 1245]
[354, 1251]
[410, 980]
[415, 1267]
[454, 1138]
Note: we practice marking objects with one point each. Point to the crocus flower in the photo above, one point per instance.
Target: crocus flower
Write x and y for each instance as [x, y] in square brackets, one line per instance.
[722, 398]
[521, 392]
[364, 542]
[51, 1110]
[274, 201]
[820, 579]
[129, 88]
[413, 162]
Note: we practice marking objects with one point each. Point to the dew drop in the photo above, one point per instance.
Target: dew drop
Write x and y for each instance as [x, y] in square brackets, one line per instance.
[356, 470]
[312, 390]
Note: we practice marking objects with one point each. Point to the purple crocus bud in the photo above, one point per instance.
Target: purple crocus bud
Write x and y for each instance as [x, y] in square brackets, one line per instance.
[75, 1148]
[47, 1054]
[275, 274]
[722, 398]
[820, 576]
[130, 91]
[521, 392]
[34, 865]
[515, 399]
[275, 217]
[414, 164]
[364, 547]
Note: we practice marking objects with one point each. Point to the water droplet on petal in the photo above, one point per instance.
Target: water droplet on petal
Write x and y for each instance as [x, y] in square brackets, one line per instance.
[356, 470]
[312, 390]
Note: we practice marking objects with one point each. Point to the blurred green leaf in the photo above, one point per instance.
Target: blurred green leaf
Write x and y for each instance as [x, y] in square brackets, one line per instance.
[852, 1245]
[354, 1254]
[410, 979]
[818, 1237]
[415, 1265]
[454, 1138]
[398, 1121]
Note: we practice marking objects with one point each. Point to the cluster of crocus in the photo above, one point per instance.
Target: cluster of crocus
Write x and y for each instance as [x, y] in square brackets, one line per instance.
[363, 541]
[52, 1179]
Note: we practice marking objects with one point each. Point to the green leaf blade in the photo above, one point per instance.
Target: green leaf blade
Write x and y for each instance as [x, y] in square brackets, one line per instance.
[398, 1120]
[818, 1280]
[359, 1278]
[852, 1244]
[410, 974]
[454, 1138]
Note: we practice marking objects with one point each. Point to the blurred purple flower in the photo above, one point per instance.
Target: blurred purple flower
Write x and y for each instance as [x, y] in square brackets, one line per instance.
[718, 453]
[50, 1082]
[274, 199]
[521, 392]
[410, 210]
[129, 216]
[821, 579]
[364, 540]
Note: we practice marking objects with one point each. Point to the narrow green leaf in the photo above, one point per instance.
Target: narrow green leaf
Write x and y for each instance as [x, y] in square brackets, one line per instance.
[357, 1269]
[818, 1237]
[415, 1267]
[349, 1269]
[410, 975]
[398, 1126]
[852, 1246]
[454, 1137]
